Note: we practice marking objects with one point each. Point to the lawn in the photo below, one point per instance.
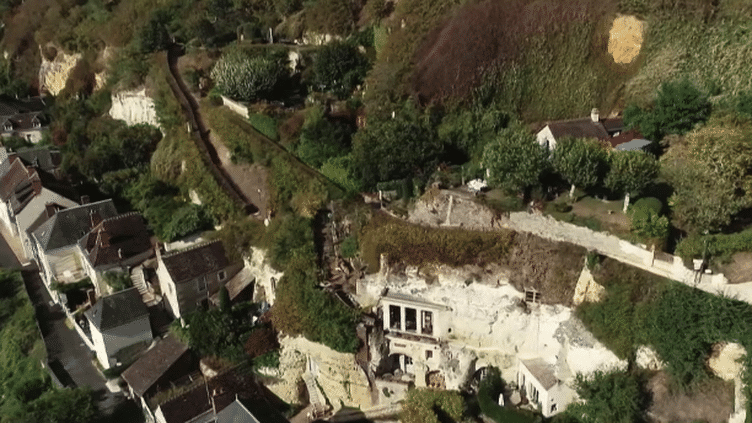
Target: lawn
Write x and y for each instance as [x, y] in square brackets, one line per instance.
[267, 125]
[596, 214]
[497, 200]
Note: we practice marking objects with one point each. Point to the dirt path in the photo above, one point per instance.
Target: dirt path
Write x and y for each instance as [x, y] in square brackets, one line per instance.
[252, 180]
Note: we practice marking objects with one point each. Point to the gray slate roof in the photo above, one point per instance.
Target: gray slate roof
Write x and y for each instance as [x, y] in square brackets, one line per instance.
[197, 261]
[145, 372]
[43, 158]
[542, 371]
[633, 145]
[67, 226]
[117, 309]
[236, 413]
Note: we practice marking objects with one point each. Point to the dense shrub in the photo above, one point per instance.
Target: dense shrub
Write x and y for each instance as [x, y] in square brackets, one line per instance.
[647, 204]
[515, 160]
[241, 77]
[322, 139]
[302, 308]
[417, 245]
[431, 406]
[679, 106]
[217, 332]
[616, 397]
[339, 67]
[719, 246]
[117, 281]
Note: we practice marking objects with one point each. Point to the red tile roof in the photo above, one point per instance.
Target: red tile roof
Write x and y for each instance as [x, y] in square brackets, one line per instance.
[626, 136]
[116, 239]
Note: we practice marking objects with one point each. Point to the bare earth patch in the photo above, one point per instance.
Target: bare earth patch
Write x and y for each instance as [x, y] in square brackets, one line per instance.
[711, 402]
[608, 213]
[740, 268]
[625, 39]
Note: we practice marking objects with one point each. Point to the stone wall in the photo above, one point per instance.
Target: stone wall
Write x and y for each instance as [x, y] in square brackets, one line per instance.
[458, 209]
[235, 106]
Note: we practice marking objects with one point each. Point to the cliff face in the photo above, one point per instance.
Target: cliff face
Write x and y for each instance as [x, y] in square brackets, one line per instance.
[54, 74]
[134, 107]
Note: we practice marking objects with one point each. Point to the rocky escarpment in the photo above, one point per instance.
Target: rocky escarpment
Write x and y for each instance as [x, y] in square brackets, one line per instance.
[134, 107]
[53, 75]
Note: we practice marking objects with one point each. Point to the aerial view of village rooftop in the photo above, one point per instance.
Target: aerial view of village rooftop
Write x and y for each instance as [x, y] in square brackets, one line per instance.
[376, 211]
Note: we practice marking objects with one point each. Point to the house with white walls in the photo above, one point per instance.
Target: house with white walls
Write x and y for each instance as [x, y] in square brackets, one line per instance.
[56, 241]
[589, 127]
[114, 244]
[188, 278]
[538, 382]
[116, 322]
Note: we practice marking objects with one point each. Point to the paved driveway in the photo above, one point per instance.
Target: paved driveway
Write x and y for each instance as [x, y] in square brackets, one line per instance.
[68, 352]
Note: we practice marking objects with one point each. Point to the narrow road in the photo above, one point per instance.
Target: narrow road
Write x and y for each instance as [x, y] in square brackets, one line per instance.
[70, 357]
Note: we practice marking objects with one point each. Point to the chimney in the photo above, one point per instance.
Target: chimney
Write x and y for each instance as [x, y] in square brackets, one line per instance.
[36, 184]
[84, 199]
[95, 218]
[594, 116]
[120, 253]
[50, 210]
[91, 296]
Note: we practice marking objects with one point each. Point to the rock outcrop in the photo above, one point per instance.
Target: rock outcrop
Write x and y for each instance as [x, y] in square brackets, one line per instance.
[53, 75]
[134, 107]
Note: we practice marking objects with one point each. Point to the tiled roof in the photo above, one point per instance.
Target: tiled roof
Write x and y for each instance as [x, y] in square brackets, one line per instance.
[578, 128]
[236, 413]
[21, 113]
[117, 309]
[624, 137]
[196, 261]
[613, 125]
[67, 226]
[542, 371]
[187, 406]
[116, 238]
[145, 372]
[43, 158]
[19, 185]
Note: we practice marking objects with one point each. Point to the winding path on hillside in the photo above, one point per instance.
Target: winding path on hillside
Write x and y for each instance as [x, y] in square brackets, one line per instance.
[234, 183]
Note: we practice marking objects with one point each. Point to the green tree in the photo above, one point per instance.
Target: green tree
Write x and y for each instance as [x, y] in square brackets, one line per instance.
[615, 397]
[678, 107]
[395, 148]
[711, 175]
[224, 299]
[582, 162]
[322, 139]
[515, 161]
[241, 77]
[62, 406]
[339, 67]
[430, 406]
[153, 36]
[631, 172]
[118, 281]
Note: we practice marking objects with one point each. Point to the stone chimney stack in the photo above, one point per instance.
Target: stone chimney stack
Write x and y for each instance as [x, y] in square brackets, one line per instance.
[84, 199]
[50, 210]
[595, 116]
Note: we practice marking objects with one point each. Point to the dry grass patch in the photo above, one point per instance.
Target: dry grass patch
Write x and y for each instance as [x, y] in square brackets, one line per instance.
[711, 401]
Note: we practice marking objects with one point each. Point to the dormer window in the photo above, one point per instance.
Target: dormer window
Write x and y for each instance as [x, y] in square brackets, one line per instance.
[35, 123]
[7, 126]
[201, 284]
[222, 275]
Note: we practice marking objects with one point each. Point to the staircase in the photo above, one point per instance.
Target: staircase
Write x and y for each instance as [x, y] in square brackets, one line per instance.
[314, 396]
[147, 295]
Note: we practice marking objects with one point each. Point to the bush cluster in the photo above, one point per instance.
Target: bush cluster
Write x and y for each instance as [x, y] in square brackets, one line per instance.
[417, 245]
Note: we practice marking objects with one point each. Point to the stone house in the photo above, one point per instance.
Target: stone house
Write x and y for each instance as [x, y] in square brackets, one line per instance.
[163, 366]
[25, 203]
[592, 127]
[413, 329]
[189, 278]
[116, 322]
[56, 241]
[538, 382]
[22, 118]
[114, 244]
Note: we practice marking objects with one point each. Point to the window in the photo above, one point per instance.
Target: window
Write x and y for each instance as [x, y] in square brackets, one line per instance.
[411, 320]
[222, 275]
[395, 317]
[429, 354]
[426, 326]
[553, 407]
[201, 284]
